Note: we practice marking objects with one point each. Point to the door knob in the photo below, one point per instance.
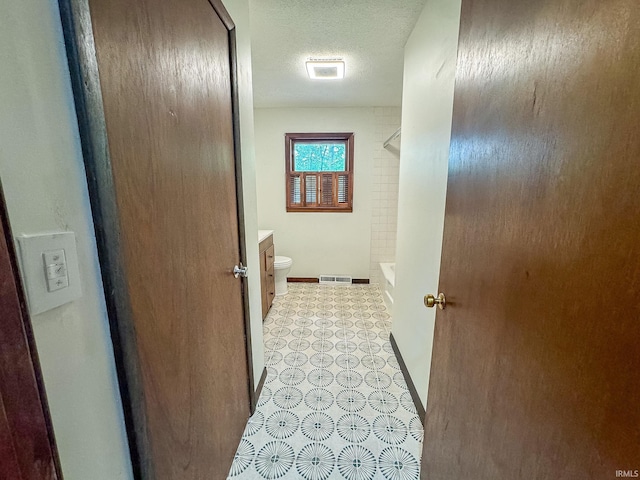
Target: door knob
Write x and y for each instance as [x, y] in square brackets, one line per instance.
[240, 271]
[430, 301]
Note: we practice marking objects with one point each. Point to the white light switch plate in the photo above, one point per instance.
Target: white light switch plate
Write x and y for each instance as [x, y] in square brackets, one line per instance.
[49, 267]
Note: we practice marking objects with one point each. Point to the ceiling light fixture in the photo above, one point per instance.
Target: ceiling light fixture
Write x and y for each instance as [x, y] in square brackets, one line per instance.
[325, 69]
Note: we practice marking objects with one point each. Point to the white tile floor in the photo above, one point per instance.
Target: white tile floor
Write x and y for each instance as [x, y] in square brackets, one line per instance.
[335, 404]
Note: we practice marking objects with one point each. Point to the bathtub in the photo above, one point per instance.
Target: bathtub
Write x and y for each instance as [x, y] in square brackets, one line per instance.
[388, 282]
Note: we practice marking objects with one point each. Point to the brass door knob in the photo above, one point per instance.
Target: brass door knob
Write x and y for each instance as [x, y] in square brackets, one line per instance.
[430, 301]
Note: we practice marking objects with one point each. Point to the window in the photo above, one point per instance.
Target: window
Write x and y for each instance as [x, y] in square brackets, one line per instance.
[319, 172]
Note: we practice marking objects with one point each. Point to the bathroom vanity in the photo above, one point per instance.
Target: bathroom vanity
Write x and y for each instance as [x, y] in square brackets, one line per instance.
[267, 278]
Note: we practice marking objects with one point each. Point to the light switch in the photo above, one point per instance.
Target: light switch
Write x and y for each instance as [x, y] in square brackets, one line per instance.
[49, 267]
[54, 284]
[54, 256]
[56, 270]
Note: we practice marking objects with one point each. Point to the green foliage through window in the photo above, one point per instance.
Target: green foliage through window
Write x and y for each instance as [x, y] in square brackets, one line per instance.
[319, 157]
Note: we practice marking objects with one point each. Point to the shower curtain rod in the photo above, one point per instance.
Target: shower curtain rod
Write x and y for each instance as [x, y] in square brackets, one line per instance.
[395, 135]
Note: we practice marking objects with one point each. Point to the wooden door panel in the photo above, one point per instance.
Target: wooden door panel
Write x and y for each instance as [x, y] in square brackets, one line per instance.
[9, 466]
[536, 358]
[166, 84]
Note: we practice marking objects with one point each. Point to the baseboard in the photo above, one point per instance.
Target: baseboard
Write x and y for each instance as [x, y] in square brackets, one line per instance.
[263, 378]
[316, 280]
[407, 378]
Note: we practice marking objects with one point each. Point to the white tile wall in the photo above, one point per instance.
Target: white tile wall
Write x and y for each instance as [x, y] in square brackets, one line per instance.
[384, 219]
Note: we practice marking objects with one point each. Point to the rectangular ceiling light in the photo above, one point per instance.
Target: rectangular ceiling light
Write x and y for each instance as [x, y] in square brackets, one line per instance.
[325, 69]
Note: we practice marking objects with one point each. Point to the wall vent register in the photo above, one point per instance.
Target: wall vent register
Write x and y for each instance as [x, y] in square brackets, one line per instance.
[335, 279]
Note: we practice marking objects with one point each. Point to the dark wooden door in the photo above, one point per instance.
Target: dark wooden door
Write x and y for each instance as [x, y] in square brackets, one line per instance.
[27, 446]
[536, 361]
[166, 79]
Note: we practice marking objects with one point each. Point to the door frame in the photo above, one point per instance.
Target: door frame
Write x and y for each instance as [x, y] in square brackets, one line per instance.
[87, 93]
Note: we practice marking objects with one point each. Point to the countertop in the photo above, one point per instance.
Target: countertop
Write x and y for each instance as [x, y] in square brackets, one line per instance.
[264, 234]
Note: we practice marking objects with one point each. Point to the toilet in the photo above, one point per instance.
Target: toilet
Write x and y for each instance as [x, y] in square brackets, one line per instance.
[281, 267]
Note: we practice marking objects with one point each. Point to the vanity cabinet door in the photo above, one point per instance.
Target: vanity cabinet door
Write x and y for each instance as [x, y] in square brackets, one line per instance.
[270, 257]
[267, 278]
[263, 284]
[270, 277]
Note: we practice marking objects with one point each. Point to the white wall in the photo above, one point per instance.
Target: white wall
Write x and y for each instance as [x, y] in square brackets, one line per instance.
[317, 242]
[427, 104]
[239, 11]
[42, 172]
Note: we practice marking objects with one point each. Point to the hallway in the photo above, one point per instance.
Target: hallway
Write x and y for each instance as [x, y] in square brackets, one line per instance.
[335, 404]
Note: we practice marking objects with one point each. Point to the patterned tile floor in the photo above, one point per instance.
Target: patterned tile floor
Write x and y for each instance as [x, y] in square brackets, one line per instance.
[335, 404]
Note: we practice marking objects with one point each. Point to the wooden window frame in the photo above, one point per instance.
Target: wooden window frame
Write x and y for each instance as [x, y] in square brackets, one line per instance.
[343, 207]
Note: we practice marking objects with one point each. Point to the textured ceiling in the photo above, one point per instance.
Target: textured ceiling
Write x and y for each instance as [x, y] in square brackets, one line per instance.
[369, 35]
